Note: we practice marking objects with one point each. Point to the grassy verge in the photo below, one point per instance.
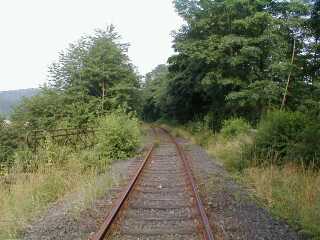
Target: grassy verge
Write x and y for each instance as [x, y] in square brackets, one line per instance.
[25, 195]
[39, 179]
[290, 192]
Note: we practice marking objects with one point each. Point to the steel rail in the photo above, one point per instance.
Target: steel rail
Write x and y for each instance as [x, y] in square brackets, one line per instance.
[106, 225]
[208, 235]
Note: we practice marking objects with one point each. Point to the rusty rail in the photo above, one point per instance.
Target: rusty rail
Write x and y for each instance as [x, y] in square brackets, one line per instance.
[207, 233]
[206, 230]
[113, 214]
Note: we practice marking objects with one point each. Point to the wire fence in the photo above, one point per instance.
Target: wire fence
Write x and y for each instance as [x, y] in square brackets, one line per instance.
[82, 137]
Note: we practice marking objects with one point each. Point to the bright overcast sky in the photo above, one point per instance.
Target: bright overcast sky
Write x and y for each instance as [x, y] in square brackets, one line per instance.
[34, 31]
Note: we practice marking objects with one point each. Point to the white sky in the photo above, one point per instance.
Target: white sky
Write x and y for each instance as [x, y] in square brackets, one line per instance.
[33, 32]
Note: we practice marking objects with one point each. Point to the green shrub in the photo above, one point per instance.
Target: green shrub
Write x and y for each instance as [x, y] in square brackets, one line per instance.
[48, 155]
[91, 159]
[196, 126]
[234, 127]
[119, 135]
[209, 122]
[288, 136]
[200, 131]
[9, 141]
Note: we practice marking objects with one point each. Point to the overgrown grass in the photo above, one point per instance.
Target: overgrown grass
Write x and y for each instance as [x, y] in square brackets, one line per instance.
[25, 194]
[291, 191]
[227, 150]
[38, 179]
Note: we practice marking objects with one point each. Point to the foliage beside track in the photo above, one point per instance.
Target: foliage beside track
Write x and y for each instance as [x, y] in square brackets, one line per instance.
[239, 59]
[287, 137]
[91, 78]
[290, 191]
[89, 83]
[35, 180]
[118, 135]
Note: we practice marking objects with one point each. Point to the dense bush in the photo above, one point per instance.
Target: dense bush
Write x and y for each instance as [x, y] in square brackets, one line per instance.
[196, 126]
[118, 136]
[235, 126]
[288, 136]
[37, 179]
[9, 141]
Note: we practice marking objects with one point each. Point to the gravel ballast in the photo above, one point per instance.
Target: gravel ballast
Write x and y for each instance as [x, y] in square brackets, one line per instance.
[233, 212]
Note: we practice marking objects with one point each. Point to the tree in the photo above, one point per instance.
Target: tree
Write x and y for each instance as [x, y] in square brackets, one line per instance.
[93, 76]
[315, 44]
[9, 141]
[234, 57]
[97, 64]
[51, 107]
[154, 93]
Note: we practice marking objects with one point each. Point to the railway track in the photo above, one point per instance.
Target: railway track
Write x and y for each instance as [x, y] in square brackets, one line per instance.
[161, 201]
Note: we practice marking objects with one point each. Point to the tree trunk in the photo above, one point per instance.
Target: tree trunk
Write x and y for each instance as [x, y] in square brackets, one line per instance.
[289, 77]
[103, 89]
[103, 93]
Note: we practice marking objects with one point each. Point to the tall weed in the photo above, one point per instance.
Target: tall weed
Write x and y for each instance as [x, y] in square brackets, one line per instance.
[291, 192]
[38, 179]
[234, 127]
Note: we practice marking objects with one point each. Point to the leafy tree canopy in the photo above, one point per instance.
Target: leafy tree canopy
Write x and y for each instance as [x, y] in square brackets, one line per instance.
[154, 92]
[91, 77]
[233, 57]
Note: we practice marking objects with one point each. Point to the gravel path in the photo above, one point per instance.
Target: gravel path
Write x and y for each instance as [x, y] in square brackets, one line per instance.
[232, 212]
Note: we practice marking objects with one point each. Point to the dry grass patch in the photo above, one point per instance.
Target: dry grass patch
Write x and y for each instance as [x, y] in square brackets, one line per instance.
[229, 151]
[29, 194]
[291, 192]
